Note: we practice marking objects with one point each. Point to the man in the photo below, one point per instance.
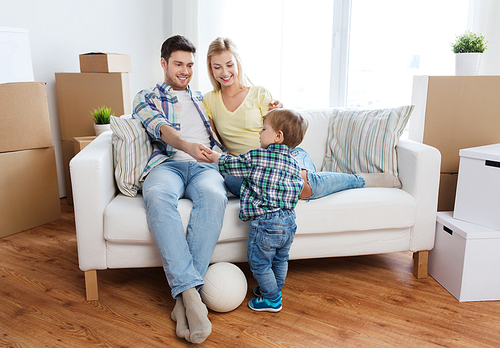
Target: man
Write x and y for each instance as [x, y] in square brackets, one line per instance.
[175, 118]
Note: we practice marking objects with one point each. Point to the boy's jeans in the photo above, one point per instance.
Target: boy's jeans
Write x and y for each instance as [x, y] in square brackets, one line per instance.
[269, 242]
[322, 183]
[185, 257]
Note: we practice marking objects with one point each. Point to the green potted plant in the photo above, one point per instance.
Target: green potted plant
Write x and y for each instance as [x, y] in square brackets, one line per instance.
[102, 117]
[468, 49]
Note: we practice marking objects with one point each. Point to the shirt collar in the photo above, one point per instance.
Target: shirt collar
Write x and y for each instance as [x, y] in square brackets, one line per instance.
[282, 148]
[167, 88]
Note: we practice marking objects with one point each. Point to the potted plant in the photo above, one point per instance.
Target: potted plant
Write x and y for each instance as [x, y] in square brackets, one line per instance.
[102, 116]
[468, 49]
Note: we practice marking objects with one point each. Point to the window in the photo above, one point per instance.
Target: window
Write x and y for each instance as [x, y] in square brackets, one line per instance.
[393, 40]
[285, 46]
[322, 53]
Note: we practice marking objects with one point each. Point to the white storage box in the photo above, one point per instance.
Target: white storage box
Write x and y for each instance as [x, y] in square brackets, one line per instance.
[466, 259]
[478, 187]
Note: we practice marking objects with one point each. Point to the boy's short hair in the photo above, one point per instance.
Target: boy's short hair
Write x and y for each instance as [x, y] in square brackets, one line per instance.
[176, 43]
[291, 123]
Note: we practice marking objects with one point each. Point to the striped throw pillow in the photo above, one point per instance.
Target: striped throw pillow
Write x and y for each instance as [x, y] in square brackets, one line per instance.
[364, 141]
[131, 151]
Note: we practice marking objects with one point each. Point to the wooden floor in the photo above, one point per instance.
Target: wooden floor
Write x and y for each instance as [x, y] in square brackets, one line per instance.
[368, 301]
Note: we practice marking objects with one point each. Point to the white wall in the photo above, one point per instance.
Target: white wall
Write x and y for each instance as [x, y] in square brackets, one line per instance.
[60, 30]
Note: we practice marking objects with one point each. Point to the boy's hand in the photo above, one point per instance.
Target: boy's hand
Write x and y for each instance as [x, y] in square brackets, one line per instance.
[212, 156]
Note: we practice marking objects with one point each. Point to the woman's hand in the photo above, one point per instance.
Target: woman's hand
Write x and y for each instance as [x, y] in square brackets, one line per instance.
[275, 104]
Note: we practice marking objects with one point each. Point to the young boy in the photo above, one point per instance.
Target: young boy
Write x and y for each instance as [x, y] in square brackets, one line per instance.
[271, 187]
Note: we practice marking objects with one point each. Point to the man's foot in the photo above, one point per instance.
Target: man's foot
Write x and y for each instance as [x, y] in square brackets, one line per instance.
[179, 316]
[380, 180]
[262, 304]
[197, 316]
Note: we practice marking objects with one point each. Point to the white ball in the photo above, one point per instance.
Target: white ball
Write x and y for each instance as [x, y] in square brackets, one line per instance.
[225, 287]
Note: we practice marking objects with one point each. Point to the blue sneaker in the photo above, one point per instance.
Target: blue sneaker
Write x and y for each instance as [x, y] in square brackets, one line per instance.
[262, 304]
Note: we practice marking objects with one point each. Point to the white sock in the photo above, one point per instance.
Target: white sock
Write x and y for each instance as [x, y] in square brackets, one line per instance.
[200, 326]
[179, 316]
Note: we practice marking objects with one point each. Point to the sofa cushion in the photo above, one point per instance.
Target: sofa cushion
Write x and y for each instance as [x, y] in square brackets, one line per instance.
[351, 210]
[131, 151]
[364, 209]
[364, 141]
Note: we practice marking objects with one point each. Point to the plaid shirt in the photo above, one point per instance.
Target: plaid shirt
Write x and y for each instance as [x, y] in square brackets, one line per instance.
[159, 106]
[272, 179]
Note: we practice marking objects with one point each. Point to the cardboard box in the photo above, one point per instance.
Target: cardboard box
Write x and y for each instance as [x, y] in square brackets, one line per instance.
[15, 57]
[98, 62]
[447, 191]
[455, 112]
[24, 116]
[78, 94]
[478, 188]
[81, 142]
[465, 259]
[30, 192]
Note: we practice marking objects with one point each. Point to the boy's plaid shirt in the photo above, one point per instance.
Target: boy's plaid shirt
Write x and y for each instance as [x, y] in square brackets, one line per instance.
[159, 106]
[272, 179]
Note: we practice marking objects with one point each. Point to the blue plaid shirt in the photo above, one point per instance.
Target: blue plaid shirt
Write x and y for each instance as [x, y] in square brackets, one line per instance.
[272, 179]
[159, 106]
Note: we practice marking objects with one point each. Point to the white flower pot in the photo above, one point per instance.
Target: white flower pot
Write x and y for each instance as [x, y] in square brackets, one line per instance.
[101, 128]
[467, 64]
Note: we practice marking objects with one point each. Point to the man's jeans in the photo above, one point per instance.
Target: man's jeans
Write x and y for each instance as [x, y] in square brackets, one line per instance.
[185, 257]
[322, 183]
[269, 242]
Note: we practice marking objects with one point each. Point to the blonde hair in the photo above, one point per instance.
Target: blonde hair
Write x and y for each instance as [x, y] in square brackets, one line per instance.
[291, 123]
[219, 46]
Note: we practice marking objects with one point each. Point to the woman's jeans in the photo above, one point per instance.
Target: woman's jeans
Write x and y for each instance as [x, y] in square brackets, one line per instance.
[185, 256]
[269, 243]
[322, 183]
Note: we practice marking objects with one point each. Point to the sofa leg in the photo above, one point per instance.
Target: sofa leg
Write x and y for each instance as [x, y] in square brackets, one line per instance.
[91, 288]
[420, 263]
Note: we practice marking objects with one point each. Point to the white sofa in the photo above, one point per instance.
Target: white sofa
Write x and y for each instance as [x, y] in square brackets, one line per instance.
[112, 231]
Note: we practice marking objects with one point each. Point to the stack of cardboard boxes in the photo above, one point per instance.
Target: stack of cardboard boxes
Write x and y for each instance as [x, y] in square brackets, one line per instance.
[103, 81]
[453, 113]
[28, 176]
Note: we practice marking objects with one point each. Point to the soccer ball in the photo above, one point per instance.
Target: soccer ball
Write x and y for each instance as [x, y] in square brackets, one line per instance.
[225, 287]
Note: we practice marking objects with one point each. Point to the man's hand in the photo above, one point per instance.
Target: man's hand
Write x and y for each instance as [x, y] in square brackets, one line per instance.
[275, 104]
[173, 138]
[212, 156]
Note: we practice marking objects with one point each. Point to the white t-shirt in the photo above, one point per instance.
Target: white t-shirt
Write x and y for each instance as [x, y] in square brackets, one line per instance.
[192, 127]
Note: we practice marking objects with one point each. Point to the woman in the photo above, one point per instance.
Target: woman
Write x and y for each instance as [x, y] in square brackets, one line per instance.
[236, 109]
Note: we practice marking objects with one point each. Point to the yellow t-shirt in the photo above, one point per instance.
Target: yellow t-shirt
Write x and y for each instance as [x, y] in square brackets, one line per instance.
[239, 130]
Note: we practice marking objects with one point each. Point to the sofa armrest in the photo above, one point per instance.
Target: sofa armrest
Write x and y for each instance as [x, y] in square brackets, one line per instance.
[93, 185]
[419, 167]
